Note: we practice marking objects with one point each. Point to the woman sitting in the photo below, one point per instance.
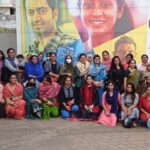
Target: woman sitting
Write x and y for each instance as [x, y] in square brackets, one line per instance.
[48, 92]
[2, 103]
[110, 100]
[13, 94]
[89, 99]
[129, 102]
[33, 108]
[144, 106]
[67, 96]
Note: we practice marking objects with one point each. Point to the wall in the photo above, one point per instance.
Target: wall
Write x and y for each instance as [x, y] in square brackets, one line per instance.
[8, 40]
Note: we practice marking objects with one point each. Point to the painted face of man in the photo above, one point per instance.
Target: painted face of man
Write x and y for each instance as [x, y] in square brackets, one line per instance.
[125, 49]
[40, 16]
[100, 16]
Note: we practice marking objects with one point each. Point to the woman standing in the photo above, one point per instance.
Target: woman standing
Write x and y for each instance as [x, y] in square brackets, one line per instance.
[129, 102]
[81, 70]
[98, 72]
[2, 58]
[34, 69]
[110, 101]
[33, 108]
[116, 73]
[68, 69]
[11, 65]
[145, 79]
[67, 97]
[48, 93]
[106, 60]
[13, 95]
[132, 75]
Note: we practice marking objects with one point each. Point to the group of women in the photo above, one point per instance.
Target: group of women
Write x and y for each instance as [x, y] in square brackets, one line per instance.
[105, 91]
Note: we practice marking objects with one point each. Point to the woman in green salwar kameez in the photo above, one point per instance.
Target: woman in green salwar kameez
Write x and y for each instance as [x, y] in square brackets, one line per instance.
[48, 92]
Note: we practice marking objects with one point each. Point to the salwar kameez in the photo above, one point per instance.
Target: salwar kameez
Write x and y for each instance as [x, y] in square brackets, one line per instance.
[49, 92]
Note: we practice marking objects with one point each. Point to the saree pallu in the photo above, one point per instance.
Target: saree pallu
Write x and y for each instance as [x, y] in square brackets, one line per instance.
[17, 111]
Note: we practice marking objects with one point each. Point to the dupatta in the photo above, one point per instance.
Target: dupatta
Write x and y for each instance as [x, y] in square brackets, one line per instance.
[49, 90]
[83, 67]
[112, 100]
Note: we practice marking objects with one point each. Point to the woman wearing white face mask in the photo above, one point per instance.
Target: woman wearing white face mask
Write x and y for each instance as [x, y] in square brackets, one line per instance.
[67, 69]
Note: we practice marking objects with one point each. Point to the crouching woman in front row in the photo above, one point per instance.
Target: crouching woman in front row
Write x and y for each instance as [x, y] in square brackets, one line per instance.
[67, 97]
[13, 94]
[129, 102]
[89, 100]
[48, 93]
[110, 103]
[144, 107]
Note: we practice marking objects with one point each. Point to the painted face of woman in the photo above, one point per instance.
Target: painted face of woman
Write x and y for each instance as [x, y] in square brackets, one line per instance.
[100, 16]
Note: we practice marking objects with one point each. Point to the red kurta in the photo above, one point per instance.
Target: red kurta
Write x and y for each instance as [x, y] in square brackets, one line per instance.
[145, 104]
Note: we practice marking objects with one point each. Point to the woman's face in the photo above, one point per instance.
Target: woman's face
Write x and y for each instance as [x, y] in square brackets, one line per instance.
[89, 59]
[110, 87]
[132, 64]
[13, 79]
[45, 81]
[83, 59]
[34, 60]
[1, 55]
[129, 88]
[89, 80]
[128, 58]
[148, 91]
[100, 16]
[31, 81]
[116, 61]
[97, 60]
[148, 68]
[11, 53]
[68, 81]
[105, 56]
[40, 57]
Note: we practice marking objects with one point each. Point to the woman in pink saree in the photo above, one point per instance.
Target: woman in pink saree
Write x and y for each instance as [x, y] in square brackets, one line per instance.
[13, 95]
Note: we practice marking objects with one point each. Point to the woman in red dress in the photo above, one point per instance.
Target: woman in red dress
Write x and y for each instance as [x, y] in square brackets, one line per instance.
[13, 95]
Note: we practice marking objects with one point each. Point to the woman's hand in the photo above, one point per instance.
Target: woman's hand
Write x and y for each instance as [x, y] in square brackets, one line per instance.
[86, 107]
[91, 106]
[148, 115]
[50, 103]
[2, 101]
[68, 108]
[107, 113]
[129, 111]
[44, 100]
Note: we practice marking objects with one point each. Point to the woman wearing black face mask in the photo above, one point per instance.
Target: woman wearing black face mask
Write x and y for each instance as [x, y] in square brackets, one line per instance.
[33, 108]
[67, 69]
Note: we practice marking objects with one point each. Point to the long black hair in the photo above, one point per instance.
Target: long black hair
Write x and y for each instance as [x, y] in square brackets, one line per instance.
[132, 92]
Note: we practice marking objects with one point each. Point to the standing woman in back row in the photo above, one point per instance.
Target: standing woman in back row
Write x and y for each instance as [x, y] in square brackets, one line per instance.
[116, 73]
[132, 75]
[81, 70]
